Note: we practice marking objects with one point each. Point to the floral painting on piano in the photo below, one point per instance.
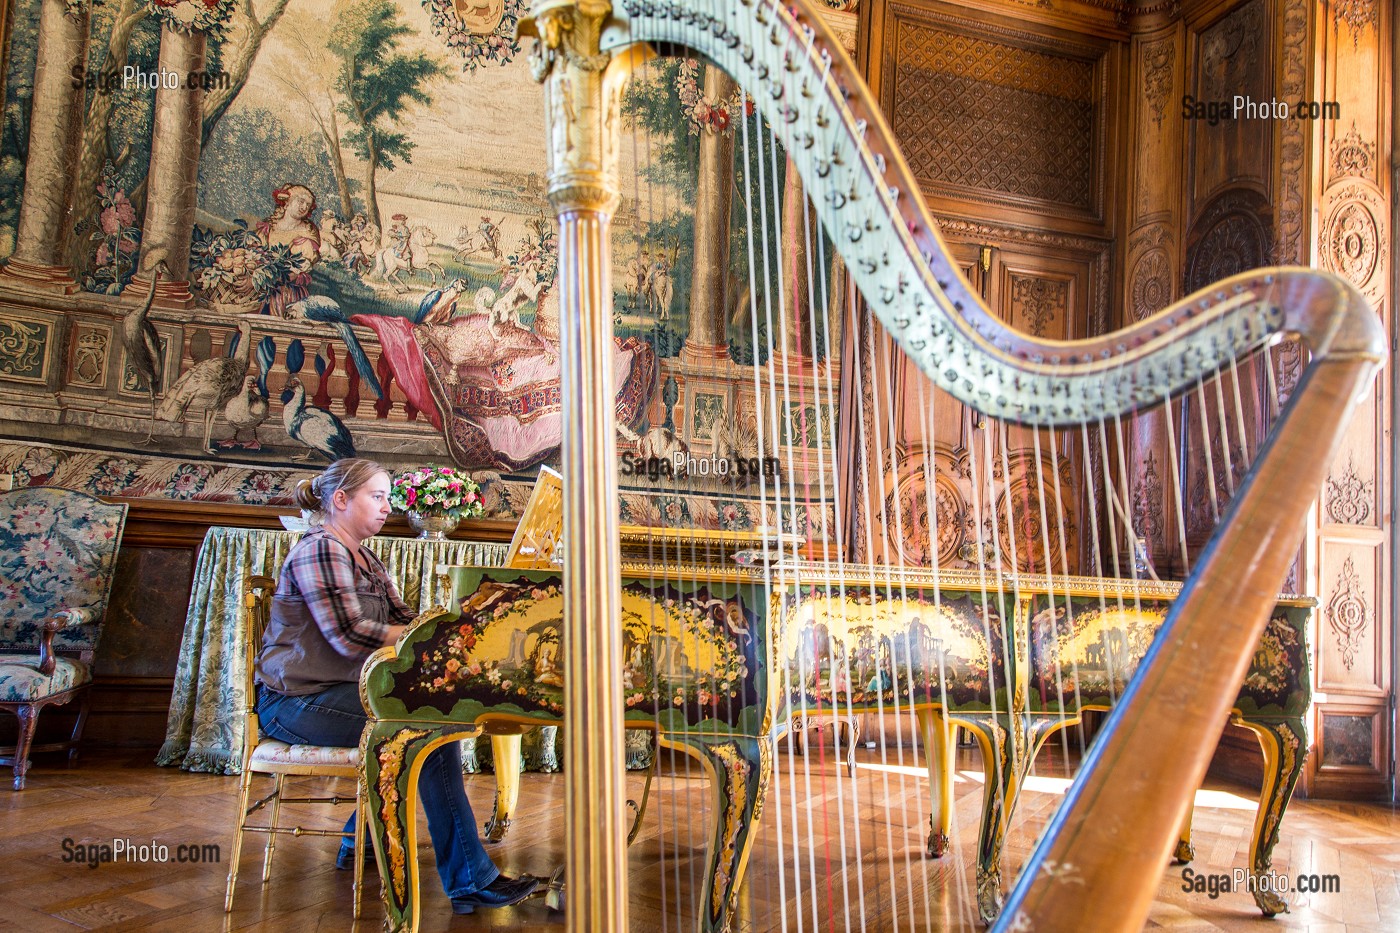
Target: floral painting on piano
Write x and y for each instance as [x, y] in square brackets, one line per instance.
[693, 652]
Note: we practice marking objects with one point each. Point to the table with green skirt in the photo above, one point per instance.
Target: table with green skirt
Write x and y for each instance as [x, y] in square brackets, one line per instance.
[205, 728]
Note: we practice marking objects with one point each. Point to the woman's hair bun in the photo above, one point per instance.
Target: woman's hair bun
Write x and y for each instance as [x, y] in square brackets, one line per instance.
[306, 497]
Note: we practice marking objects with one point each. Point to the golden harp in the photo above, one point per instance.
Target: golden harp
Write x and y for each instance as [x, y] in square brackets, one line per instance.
[1138, 778]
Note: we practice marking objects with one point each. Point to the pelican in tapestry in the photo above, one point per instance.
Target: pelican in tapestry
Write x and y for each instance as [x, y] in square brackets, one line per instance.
[210, 384]
[327, 311]
[143, 350]
[315, 427]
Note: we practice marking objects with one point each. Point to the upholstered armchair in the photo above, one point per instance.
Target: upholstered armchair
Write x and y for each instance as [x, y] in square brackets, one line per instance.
[58, 549]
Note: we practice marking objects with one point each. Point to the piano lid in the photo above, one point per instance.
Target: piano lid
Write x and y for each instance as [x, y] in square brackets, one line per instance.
[539, 538]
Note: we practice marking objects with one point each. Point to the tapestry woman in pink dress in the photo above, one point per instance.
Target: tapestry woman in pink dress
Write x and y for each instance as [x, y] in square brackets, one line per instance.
[290, 225]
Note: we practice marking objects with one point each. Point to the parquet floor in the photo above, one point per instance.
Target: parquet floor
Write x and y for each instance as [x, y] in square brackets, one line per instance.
[836, 855]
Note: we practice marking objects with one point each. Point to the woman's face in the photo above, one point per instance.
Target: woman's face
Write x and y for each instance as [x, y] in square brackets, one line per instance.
[363, 514]
[298, 203]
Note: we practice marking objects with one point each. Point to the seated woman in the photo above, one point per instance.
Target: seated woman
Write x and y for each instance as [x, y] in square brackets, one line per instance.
[334, 606]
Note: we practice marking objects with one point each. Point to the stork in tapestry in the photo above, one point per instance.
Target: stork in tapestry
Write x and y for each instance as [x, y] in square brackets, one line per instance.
[314, 427]
[144, 353]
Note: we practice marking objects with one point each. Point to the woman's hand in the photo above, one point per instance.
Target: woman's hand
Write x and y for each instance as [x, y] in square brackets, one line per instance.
[394, 633]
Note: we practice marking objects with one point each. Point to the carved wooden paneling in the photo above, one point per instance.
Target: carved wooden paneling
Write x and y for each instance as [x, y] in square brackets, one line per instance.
[1351, 235]
[992, 114]
[977, 113]
[1349, 499]
[1350, 619]
[1040, 305]
[1150, 271]
[1233, 56]
[1232, 234]
[981, 513]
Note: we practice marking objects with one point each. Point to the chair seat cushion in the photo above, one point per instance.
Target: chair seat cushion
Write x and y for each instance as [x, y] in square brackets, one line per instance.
[271, 752]
[20, 680]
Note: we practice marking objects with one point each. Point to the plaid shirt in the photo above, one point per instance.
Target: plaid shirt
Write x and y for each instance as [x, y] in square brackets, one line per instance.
[320, 572]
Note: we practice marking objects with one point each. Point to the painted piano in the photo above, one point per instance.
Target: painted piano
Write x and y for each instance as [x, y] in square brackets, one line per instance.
[719, 660]
[724, 649]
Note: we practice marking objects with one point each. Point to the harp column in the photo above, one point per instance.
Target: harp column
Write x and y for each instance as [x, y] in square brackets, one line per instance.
[582, 90]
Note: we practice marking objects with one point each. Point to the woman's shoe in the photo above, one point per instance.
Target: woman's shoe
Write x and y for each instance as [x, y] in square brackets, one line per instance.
[503, 892]
[345, 858]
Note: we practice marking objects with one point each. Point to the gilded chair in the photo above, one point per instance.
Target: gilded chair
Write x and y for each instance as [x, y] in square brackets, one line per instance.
[262, 755]
[58, 550]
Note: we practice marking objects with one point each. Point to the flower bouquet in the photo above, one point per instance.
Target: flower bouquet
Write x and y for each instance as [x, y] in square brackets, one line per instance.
[435, 499]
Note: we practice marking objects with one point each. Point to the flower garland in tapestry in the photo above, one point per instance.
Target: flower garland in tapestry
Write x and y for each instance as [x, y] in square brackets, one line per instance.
[480, 43]
[190, 16]
[713, 116]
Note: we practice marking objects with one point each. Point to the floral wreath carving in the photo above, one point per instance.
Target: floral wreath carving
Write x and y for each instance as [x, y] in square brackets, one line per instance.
[713, 116]
[478, 49]
[191, 16]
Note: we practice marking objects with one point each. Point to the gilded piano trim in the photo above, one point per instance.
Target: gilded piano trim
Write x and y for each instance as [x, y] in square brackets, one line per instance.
[389, 754]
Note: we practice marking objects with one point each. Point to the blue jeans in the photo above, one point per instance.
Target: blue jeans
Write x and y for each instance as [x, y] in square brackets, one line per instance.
[335, 717]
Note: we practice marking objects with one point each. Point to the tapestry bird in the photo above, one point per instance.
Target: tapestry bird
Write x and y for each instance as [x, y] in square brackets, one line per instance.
[327, 311]
[314, 427]
[209, 384]
[245, 412]
[143, 350]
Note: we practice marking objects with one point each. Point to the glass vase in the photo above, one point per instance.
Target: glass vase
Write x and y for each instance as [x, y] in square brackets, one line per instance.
[432, 527]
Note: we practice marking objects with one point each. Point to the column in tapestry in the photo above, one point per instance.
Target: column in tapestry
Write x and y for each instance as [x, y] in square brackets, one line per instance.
[172, 181]
[39, 244]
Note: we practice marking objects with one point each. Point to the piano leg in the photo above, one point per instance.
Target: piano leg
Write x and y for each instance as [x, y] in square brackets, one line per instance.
[391, 755]
[739, 768]
[942, 758]
[1185, 850]
[1284, 743]
[1009, 745]
[505, 752]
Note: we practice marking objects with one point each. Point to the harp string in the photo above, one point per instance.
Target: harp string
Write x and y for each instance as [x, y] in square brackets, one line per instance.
[1224, 436]
[821, 356]
[1017, 523]
[1174, 485]
[1206, 452]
